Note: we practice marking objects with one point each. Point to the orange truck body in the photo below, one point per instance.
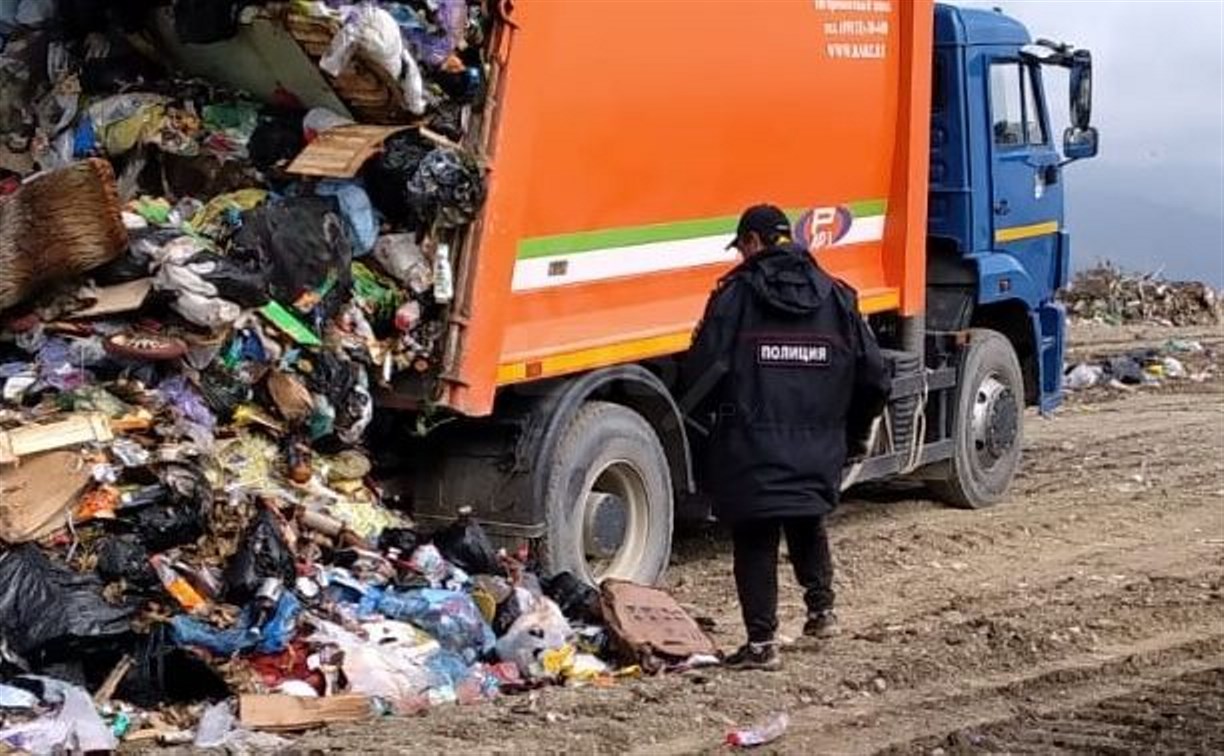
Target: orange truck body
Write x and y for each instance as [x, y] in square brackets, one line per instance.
[629, 135]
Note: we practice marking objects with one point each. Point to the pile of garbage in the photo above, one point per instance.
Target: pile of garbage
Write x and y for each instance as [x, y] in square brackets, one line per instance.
[1109, 295]
[201, 289]
[1143, 367]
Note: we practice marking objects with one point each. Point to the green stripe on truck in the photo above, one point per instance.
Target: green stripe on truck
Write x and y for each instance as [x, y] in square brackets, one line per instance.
[587, 241]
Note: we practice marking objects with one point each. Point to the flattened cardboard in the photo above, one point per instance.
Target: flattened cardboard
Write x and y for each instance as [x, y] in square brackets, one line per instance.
[647, 621]
[340, 152]
[282, 713]
[36, 495]
[112, 300]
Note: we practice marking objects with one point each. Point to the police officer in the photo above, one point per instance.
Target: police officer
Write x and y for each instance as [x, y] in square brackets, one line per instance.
[792, 378]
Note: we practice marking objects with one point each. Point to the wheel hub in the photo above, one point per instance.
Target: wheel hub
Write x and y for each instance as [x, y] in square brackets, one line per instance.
[614, 521]
[607, 518]
[996, 420]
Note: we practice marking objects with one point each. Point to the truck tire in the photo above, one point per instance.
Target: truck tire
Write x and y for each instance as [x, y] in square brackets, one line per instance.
[988, 427]
[609, 498]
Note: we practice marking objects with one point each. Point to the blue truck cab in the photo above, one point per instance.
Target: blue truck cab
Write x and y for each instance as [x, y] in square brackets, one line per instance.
[998, 248]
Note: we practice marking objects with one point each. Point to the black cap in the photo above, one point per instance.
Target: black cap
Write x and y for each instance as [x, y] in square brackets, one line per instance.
[766, 220]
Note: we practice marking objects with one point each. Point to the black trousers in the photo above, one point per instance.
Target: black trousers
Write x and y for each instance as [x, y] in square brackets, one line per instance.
[756, 569]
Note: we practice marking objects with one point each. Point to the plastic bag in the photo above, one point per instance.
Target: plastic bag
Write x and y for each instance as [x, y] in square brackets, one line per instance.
[358, 213]
[185, 402]
[433, 48]
[301, 245]
[186, 268]
[276, 140]
[404, 539]
[392, 664]
[577, 600]
[75, 728]
[449, 616]
[42, 602]
[542, 629]
[271, 637]
[405, 261]
[465, 544]
[122, 121]
[125, 558]
[262, 554]
[387, 176]
[215, 725]
[164, 526]
[318, 120]
[447, 189]
[346, 386]
[376, 34]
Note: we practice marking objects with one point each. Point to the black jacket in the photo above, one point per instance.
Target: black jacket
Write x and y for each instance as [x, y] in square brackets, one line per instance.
[792, 376]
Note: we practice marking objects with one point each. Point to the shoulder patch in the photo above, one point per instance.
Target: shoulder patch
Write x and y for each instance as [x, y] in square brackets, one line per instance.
[777, 353]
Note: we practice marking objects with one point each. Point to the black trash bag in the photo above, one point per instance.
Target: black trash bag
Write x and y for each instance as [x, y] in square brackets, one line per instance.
[447, 119]
[244, 285]
[180, 514]
[447, 189]
[465, 544]
[223, 392]
[136, 262]
[339, 380]
[1126, 369]
[507, 612]
[404, 539]
[166, 674]
[262, 554]
[164, 526]
[203, 22]
[204, 175]
[188, 484]
[125, 558]
[43, 603]
[301, 246]
[577, 600]
[387, 176]
[276, 139]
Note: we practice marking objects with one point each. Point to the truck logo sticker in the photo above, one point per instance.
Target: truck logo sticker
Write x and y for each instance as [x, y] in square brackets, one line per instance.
[792, 354]
[823, 227]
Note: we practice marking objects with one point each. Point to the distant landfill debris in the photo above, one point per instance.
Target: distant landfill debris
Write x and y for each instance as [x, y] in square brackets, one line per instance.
[1110, 295]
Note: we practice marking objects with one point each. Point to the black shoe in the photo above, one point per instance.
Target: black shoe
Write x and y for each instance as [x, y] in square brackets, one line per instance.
[755, 656]
[822, 625]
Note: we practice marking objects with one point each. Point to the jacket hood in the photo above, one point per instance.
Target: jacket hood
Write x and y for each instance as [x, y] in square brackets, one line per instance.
[787, 279]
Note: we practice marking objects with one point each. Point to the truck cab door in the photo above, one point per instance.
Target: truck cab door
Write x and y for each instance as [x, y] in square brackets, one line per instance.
[1026, 180]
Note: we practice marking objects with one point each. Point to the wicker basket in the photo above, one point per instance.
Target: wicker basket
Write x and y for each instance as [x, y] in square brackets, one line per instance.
[57, 226]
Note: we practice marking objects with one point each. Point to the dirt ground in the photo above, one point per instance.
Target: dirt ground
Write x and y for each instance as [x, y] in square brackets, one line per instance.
[1084, 615]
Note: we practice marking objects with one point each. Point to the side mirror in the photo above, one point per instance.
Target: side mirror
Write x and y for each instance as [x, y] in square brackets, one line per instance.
[1080, 143]
[1081, 89]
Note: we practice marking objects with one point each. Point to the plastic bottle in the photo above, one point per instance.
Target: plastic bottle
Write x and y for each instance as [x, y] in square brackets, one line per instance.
[176, 585]
[444, 283]
[760, 734]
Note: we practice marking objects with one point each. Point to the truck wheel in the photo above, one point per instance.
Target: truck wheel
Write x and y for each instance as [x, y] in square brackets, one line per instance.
[609, 498]
[988, 426]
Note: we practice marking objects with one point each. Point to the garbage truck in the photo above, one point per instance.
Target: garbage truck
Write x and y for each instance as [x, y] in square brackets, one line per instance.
[911, 143]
